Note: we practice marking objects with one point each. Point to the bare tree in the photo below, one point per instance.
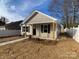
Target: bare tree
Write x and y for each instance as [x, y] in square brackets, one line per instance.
[66, 11]
[4, 19]
[68, 8]
[55, 7]
[75, 7]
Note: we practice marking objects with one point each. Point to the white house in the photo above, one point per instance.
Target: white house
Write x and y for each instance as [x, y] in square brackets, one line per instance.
[40, 25]
[2, 28]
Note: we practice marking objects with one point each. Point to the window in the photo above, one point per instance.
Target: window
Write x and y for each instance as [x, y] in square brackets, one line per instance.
[27, 29]
[45, 28]
[23, 29]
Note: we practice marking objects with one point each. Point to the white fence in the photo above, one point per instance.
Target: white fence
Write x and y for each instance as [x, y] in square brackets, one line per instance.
[74, 32]
[5, 33]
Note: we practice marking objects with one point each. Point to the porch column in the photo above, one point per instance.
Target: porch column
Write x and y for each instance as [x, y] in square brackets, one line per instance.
[53, 30]
[21, 30]
[56, 34]
[31, 29]
[25, 31]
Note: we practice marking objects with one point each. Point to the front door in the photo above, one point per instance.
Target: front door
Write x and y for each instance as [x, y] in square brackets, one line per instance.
[34, 31]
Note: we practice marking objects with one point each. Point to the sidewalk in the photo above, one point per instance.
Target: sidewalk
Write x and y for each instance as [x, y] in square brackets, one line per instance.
[10, 42]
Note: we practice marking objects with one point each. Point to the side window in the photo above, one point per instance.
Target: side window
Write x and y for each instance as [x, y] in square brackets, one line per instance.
[23, 29]
[27, 29]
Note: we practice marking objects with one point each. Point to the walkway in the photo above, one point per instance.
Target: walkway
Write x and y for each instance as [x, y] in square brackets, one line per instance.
[9, 42]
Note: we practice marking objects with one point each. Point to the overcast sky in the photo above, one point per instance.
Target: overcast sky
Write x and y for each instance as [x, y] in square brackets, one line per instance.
[16, 10]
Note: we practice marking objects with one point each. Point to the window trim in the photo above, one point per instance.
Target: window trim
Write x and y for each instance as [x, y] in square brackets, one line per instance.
[27, 27]
[43, 28]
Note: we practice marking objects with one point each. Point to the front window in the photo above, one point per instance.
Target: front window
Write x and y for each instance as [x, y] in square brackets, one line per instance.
[45, 28]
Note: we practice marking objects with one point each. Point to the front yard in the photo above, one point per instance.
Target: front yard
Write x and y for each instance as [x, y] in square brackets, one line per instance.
[33, 49]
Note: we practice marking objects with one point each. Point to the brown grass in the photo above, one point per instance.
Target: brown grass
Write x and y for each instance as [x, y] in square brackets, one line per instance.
[34, 49]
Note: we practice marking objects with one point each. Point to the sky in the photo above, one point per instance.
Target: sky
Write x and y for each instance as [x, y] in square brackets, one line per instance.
[16, 10]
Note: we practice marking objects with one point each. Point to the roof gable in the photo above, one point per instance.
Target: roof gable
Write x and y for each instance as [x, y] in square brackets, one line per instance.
[38, 17]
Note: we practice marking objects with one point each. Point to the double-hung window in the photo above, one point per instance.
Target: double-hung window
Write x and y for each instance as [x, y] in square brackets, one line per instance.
[27, 29]
[45, 28]
[23, 29]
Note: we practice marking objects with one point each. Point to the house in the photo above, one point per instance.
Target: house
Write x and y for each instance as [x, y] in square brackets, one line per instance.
[3, 22]
[13, 25]
[2, 28]
[2, 25]
[40, 25]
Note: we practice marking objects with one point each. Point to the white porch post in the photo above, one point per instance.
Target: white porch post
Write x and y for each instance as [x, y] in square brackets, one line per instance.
[21, 30]
[25, 31]
[53, 30]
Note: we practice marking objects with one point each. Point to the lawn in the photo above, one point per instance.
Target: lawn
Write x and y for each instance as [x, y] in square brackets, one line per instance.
[33, 49]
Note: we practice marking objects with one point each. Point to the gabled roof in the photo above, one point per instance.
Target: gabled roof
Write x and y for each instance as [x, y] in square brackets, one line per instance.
[34, 12]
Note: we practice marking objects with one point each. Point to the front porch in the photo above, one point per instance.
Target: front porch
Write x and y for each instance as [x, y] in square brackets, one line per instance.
[42, 31]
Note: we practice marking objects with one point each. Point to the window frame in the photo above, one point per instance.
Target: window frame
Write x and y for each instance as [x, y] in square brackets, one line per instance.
[27, 28]
[43, 28]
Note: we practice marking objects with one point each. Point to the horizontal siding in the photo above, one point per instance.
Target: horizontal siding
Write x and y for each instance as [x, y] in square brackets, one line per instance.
[39, 18]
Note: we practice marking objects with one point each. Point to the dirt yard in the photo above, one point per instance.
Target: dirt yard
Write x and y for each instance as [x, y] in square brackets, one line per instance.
[4, 39]
[33, 49]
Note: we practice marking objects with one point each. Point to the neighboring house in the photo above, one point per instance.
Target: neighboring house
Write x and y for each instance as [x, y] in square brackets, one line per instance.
[3, 22]
[13, 25]
[40, 25]
[10, 29]
[2, 28]
[2, 25]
